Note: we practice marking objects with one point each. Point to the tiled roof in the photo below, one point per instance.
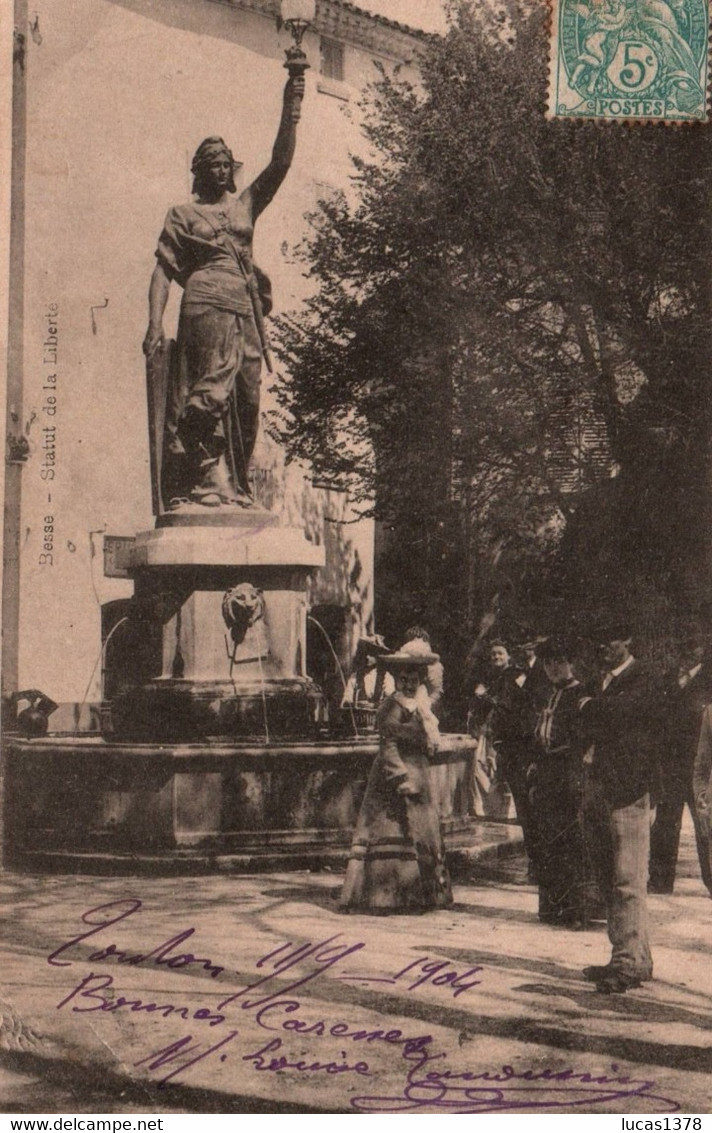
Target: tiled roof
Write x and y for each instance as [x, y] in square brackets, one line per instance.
[340, 19]
[405, 28]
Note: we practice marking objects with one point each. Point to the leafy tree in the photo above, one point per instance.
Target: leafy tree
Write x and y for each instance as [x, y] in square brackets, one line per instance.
[506, 354]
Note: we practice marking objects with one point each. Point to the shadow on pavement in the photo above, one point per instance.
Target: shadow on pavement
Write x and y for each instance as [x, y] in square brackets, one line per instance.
[65, 1085]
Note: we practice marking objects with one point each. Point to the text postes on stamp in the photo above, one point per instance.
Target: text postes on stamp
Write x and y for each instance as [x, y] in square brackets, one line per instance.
[629, 59]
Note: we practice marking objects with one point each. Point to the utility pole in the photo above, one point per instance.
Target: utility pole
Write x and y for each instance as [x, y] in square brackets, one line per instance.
[16, 446]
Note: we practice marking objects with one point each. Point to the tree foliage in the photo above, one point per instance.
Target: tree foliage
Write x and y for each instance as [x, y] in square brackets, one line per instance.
[506, 353]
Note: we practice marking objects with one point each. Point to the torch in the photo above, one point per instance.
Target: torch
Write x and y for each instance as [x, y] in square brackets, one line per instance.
[297, 15]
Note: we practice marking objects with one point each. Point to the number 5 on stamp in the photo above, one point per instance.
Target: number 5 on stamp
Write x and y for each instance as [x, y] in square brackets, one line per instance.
[641, 60]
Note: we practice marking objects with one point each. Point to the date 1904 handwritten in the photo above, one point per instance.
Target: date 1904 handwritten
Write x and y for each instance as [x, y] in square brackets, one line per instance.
[420, 1079]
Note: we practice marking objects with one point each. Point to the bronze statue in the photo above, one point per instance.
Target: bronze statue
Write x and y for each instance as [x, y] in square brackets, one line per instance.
[213, 389]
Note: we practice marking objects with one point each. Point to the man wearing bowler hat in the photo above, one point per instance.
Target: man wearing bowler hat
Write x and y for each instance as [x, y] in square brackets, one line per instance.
[619, 719]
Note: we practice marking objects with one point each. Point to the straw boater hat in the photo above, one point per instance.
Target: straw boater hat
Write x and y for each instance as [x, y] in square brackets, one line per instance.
[533, 641]
[414, 654]
[371, 645]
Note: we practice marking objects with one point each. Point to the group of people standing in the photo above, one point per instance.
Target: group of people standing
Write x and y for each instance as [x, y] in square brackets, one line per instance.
[600, 773]
[592, 767]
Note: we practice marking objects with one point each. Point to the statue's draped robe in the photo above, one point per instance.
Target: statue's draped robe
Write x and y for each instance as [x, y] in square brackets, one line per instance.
[212, 410]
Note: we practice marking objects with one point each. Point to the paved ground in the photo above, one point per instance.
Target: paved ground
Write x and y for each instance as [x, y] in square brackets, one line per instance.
[495, 989]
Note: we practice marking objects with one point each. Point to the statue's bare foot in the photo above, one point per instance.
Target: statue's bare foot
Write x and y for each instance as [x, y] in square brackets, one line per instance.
[188, 503]
[242, 500]
[206, 499]
[198, 500]
[177, 502]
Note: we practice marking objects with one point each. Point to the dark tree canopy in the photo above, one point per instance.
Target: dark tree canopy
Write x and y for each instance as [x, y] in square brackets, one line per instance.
[506, 357]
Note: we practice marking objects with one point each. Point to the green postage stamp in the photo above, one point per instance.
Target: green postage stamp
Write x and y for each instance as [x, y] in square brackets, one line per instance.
[643, 60]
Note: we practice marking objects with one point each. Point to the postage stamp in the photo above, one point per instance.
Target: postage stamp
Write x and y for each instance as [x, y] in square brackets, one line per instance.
[641, 60]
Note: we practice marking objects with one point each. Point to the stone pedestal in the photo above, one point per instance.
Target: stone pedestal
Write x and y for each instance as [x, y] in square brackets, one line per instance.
[231, 601]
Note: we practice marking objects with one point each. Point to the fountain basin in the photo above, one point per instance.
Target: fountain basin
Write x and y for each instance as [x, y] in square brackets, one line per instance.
[88, 804]
[179, 710]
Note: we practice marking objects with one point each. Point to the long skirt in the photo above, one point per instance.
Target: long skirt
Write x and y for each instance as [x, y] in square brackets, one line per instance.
[212, 410]
[397, 860]
[568, 826]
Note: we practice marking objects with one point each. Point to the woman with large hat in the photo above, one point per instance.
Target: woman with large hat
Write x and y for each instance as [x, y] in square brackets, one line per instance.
[397, 861]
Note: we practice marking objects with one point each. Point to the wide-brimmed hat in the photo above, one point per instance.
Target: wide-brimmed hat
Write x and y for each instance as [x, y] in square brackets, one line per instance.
[372, 645]
[414, 654]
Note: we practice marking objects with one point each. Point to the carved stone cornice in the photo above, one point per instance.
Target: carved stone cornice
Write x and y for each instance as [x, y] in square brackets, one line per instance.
[341, 20]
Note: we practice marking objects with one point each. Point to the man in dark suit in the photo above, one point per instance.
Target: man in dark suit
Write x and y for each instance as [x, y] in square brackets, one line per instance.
[688, 692]
[620, 719]
[500, 702]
